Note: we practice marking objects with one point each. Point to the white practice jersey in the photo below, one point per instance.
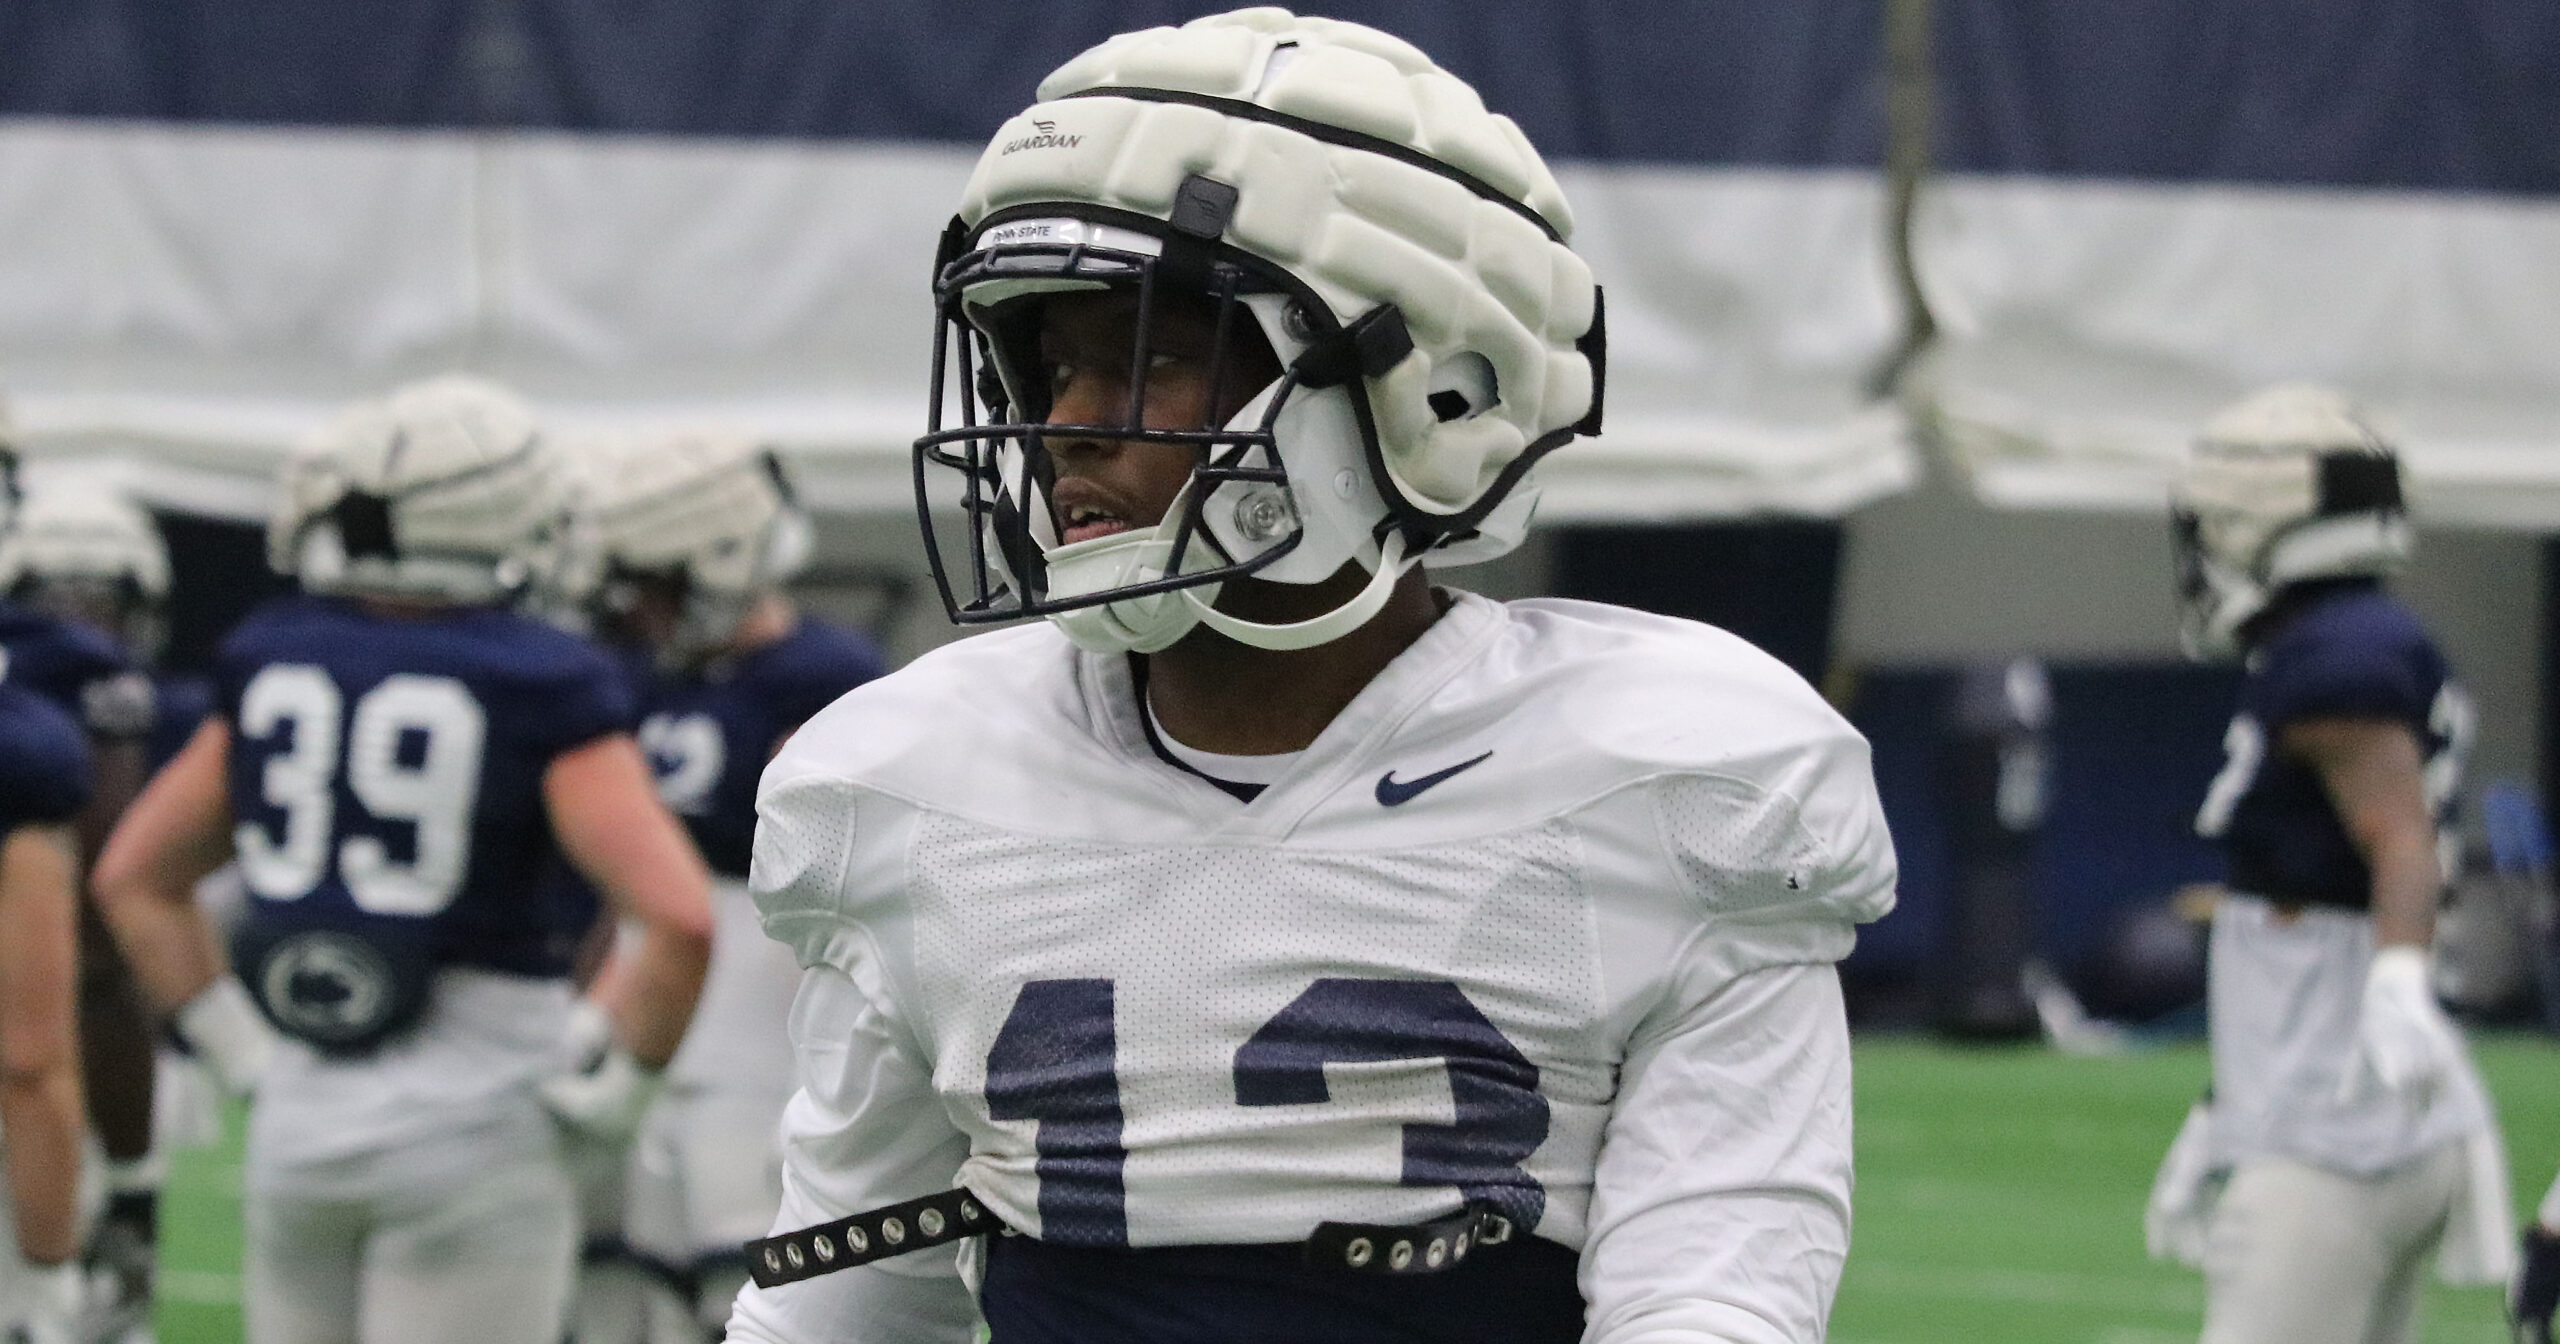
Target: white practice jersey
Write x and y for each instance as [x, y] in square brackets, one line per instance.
[1545, 918]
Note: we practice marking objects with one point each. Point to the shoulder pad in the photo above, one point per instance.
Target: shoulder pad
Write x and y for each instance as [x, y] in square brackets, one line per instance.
[931, 730]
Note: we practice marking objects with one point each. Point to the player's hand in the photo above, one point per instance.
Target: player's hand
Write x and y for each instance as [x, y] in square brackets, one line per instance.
[2183, 1193]
[2405, 1045]
[2536, 1291]
[603, 1092]
[225, 1030]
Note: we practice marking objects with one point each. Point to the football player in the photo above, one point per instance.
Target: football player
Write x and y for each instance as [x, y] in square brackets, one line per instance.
[82, 577]
[694, 535]
[1278, 946]
[44, 781]
[396, 759]
[2354, 1131]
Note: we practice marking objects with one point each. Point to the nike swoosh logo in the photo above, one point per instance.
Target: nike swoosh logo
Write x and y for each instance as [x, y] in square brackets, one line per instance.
[1392, 793]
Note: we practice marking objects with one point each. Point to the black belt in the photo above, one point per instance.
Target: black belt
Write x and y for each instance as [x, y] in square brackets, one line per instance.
[1389, 1249]
[894, 1229]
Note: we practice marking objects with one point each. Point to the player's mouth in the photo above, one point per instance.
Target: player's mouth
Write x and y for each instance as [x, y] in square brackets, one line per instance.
[1085, 511]
[1085, 522]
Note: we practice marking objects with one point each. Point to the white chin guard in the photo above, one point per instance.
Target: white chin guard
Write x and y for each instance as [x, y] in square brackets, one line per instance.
[1132, 624]
[1153, 622]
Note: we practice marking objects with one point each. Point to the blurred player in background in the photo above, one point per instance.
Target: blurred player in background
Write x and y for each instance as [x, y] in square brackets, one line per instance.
[2345, 1108]
[1286, 949]
[82, 578]
[85, 553]
[44, 781]
[396, 758]
[694, 536]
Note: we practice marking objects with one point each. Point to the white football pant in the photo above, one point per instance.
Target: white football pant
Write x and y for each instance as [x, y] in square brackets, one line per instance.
[2301, 1255]
[705, 1178]
[702, 1178]
[487, 1259]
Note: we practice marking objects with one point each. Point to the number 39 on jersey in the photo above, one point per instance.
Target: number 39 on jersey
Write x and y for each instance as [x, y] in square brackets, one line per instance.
[411, 760]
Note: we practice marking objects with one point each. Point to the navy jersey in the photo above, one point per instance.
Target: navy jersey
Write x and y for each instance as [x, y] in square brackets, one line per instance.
[2339, 650]
[77, 668]
[386, 779]
[179, 706]
[708, 736]
[44, 763]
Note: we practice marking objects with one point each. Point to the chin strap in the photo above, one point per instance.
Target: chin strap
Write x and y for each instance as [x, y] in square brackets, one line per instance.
[1306, 634]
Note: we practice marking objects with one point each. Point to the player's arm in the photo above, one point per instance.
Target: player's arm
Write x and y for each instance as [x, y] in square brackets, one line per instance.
[40, 1108]
[1721, 1203]
[605, 811]
[2371, 770]
[173, 836]
[2375, 779]
[177, 831]
[866, 1127]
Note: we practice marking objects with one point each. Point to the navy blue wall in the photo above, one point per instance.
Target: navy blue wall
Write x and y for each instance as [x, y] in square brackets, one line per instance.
[2436, 94]
[2431, 94]
[1718, 81]
[2132, 747]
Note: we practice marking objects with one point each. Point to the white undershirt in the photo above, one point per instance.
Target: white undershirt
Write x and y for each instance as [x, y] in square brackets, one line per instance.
[1259, 771]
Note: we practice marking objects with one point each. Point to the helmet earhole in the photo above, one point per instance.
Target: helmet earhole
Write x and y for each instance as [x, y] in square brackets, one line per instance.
[1462, 385]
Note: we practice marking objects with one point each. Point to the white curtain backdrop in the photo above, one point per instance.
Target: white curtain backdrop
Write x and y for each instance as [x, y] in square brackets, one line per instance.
[2091, 327]
[187, 300]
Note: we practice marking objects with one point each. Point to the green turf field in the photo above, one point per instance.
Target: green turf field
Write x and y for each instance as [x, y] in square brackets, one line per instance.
[1999, 1200]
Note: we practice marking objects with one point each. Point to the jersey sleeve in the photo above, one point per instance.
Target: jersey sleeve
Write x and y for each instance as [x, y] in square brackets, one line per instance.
[44, 765]
[866, 1127]
[1782, 862]
[585, 700]
[1720, 1203]
[2345, 674]
[825, 672]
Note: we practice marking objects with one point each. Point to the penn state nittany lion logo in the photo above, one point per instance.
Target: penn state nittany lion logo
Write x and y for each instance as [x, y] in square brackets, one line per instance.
[328, 988]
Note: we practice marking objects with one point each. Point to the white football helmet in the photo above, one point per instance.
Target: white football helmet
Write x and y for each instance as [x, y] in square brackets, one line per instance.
[1402, 251]
[711, 513]
[444, 490]
[79, 547]
[2288, 485]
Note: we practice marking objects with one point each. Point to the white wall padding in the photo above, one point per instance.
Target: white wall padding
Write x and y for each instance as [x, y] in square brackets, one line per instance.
[2090, 328]
[191, 299]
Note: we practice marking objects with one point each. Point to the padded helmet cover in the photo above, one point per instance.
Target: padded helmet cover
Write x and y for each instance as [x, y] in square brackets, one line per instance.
[2288, 485]
[1364, 170]
[445, 489]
